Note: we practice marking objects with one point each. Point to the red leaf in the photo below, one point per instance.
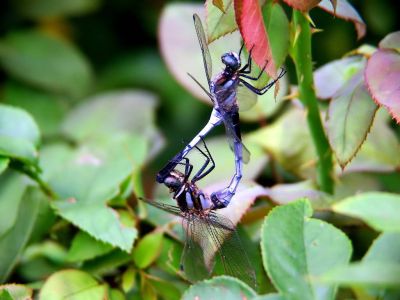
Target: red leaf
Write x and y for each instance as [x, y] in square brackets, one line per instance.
[382, 76]
[302, 5]
[251, 25]
[345, 11]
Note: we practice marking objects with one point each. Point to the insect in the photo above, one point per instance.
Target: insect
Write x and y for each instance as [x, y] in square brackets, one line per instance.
[222, 90]
[207, 232]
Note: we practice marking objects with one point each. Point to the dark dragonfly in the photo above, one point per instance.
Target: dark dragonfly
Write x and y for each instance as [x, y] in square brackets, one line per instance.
[207, 232]
[222, 91]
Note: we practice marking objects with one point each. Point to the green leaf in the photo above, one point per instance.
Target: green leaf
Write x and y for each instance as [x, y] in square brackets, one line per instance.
[15, 292]
[379, 153]
[49, 9]
[92, 176]
[5, 295]
[3, 164]
[148, 249]
[107, 114]
[106, 264]
[72, 283]
[277, 26]
[19, 134]
[365, 274]
[220, 23]
[377, 209]
[222, 287]
[386, 248]
[350, 117]
[14, 241]
[289, 145]
[296, 247]
[115, 294]
[45, 62]
[46, 108]
[12, 188]
[85, 247]
[269, 297]
[167, 289]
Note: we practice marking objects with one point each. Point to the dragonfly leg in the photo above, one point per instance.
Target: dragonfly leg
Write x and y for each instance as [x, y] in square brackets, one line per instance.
[258, 76]
[248, 64]
[215, 119]
[201, 173]
[263, 90]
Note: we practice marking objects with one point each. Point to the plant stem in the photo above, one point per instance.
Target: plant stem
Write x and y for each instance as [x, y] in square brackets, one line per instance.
[301, 53]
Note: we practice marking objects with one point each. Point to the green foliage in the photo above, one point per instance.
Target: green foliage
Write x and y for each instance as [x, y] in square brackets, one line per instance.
[87, 104]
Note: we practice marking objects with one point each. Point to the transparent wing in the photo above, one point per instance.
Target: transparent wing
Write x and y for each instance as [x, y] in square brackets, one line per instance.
[194, 262]
[166, 207]
[246, 98]
[232, 128]
[204, 47]
[232, 256]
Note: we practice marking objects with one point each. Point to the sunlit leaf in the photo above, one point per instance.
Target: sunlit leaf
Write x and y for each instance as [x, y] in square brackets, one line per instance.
[219, 23]
[106, 264]
[16, 291]
[72, 283]
[377, 209]
[3, 164]
[219, 287]
[382, 76]
[350, 118]
[289, 145]
[251, 25]
[296, 247]
[345, 11]
[24, 54]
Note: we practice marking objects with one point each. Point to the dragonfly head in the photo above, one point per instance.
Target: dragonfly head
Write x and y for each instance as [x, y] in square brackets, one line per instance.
[174, 181]
[231, 60]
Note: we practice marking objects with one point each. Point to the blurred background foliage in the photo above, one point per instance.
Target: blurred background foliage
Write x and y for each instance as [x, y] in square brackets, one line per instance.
[94, 49]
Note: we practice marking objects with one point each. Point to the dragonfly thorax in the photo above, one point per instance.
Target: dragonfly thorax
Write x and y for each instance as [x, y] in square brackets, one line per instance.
[231, 60]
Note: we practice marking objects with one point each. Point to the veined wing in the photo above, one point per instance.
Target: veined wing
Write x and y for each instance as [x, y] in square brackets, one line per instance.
[232, 256]
[233, 134]
[245, 97]
[166, 207]
[204, 47]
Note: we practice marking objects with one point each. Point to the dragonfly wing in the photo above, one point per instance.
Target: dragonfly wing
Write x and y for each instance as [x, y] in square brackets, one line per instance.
[232, 258]
[246, 98]
[194, 262]
[233, 134]
[165, 207]
[204, 47]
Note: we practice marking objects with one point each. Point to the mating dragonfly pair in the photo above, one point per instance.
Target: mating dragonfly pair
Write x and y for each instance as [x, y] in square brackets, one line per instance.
[206, 231]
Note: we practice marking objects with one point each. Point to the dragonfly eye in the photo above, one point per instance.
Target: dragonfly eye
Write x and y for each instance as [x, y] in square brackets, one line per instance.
[231, 60]
[172, 182]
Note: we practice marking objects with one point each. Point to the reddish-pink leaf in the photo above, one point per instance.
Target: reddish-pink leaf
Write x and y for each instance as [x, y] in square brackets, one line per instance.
[345, 11]
[382, 76]
[250, 21]
[302, 5]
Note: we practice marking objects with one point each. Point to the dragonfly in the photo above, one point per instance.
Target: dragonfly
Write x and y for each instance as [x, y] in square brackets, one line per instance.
[222, 90]
[207, 232]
